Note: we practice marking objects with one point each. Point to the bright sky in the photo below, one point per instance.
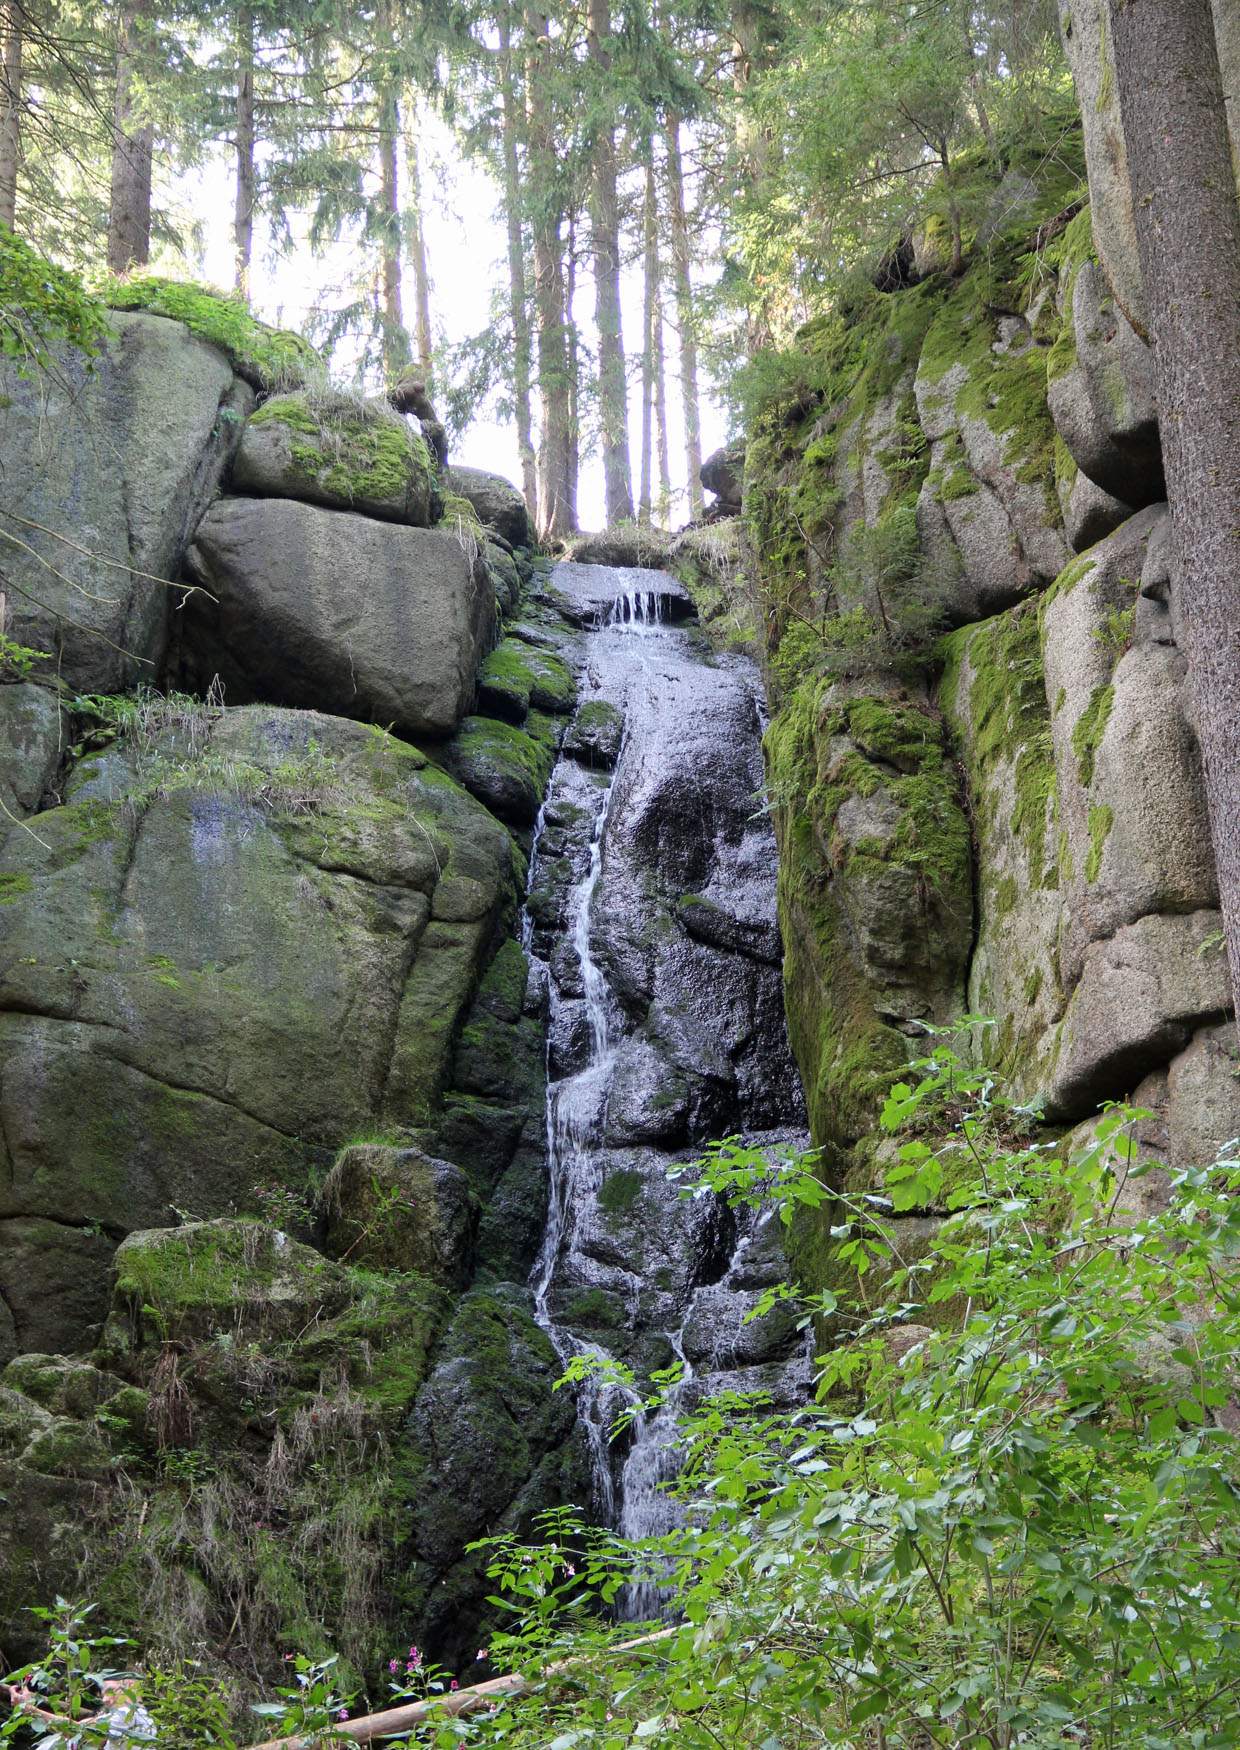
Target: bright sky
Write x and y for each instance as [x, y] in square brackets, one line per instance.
[466, 245]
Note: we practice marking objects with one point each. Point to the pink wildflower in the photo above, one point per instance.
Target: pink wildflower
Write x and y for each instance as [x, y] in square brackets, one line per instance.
[343, 1714]
[393, 1666]
[454, 1684]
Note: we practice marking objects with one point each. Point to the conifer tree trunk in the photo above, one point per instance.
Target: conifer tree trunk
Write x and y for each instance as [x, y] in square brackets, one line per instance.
[395, 340]
[573, 471]
[664, 501]
[683, 282]
[518, 296]
[605, 236]
[555, 502]
[1188, 239]
[651, 270]
[243, 211]
[424, 344]
[133, 145]
[10, 109]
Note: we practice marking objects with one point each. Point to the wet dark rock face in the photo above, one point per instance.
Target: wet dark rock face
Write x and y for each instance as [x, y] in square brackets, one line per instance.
[652, 916]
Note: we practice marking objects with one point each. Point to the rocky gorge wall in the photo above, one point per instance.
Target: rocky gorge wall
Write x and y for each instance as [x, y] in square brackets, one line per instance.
[272, 1136]
[335, 824]
[982, 765]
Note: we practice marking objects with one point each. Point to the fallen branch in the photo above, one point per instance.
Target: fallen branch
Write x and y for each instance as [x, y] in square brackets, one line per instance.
[451, 1705]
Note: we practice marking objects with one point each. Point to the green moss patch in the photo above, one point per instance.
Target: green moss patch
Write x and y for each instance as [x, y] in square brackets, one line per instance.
[517, 675]
[270, 358]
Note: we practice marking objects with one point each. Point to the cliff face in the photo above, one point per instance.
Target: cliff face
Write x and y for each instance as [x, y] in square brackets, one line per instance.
[272, 1159]
[982, 764]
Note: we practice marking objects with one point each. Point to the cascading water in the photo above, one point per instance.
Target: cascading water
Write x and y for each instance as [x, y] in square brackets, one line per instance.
[652, 912]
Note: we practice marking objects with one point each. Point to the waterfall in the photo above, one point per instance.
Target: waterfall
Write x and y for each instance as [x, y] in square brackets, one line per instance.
[651, 920]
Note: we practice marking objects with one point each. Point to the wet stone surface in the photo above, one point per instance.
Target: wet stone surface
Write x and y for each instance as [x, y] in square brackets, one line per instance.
[652, 913]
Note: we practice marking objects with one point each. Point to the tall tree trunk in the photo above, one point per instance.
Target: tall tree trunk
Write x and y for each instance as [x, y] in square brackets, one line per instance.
[663, 504]
[243, 210]
[395, 340]
[573, 470]
[518, 296]
[1188, 240]
[649, 237]
[613, 395]
[555, 511]
[683, 282]
[651, 265]
[424, 343]
[10, 108]
[133, 147]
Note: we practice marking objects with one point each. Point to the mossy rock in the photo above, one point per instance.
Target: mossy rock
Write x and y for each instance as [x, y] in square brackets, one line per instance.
[595, 734]
[269, 358]
[506, 768]
[340, 451]
[517, 675]
[393, 1208]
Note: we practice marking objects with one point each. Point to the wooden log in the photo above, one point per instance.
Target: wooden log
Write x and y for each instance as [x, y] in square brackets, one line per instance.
[451, 1705]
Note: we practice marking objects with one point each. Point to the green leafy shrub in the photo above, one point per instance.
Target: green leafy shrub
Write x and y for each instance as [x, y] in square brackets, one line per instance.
[1017, 1525]
[41, 304]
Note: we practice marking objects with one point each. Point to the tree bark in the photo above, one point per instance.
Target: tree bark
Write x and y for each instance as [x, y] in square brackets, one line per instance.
[1188, 241]
[683, 283]
[424, 343]
[518, 296]
[651, 266]
[573, 472]
[133, 146]
[605, 236]
[663, 504]
[10, 109]
[243, 210]
[555, 505]
[395, 340]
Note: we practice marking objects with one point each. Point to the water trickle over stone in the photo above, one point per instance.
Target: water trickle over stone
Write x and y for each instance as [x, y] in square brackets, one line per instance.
[652, 921]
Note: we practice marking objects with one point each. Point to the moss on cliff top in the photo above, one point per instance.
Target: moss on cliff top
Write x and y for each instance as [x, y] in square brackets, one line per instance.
[270, 358]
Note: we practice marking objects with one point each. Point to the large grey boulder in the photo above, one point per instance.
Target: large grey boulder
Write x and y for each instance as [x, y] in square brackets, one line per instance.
[117, 460]
[1131, 802]
[1086, 39]
[1142, 993]
[251, 943]
[990, 491]
[336, 450]
[338, 613]
[497, 502]
[1085, 31]
[1103, 405]
[31, 743]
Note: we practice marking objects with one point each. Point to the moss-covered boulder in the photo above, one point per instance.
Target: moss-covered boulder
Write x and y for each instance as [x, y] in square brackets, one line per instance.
[519, 674]
[266, 357]
[116, 459]
[258, 946]
[234, 1449]
[595, 734]
[338, 450]
[394, 1208]
[492, 1445]
[504, 767]
[874, 889]
[337, 612]
[496, 503]
[993, 696]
